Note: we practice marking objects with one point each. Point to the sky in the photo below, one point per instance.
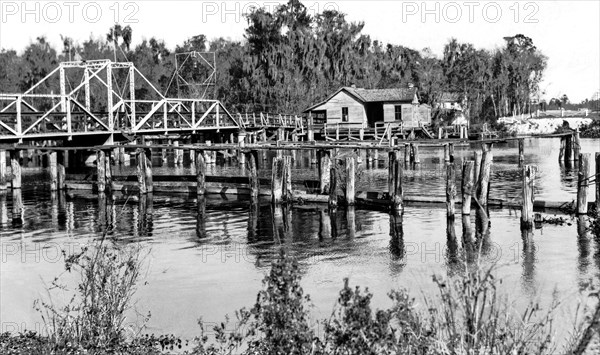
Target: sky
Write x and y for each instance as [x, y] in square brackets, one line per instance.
[567, 32]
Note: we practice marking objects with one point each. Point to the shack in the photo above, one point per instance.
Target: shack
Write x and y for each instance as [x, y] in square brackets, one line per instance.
[365, 107]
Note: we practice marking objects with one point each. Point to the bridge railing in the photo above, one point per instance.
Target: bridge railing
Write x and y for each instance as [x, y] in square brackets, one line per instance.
[271, 120]
[64, 115]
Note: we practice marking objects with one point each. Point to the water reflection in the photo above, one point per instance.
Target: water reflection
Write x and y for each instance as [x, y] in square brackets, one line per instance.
[528, 261]
[583, 247]
[452, 251]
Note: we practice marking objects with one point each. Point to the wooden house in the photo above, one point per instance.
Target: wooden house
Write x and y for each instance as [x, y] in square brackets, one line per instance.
[366, 107]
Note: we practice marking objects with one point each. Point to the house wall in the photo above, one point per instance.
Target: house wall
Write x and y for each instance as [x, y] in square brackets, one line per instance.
[356, 110]
[422, 114]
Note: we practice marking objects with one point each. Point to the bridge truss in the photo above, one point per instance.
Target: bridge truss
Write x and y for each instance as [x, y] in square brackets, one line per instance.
[98, 97]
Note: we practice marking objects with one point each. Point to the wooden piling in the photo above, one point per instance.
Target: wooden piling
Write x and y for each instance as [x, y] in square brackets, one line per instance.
[350, 181]
[569, 149]
[528, 197]
[148, 171]
[61, 171]
[597, 182]
[178, 154]
[583, 183]
[200, 173]
[467, 186]
[107, 171]
[521, 151]
[576, 145]
[446, 153]
[415, 153]
[561, 151]
[253, 174]
[287, 179]
[450, 189]
[391, 160]
[2, 169]
[100, 171]
[18, 209]
[277, 181]
[121, 155]
[53, 169]
[396, 192]
[141, 171]
[483, 183]
[333, 199]
[15, 167]
[477, 167]
[324, 168]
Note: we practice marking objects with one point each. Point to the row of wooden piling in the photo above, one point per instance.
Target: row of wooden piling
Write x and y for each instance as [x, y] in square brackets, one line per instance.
[329, 173]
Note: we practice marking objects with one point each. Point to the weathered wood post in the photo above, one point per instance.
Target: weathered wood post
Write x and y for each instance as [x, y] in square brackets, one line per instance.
[251, 158]
[121, 155]
[597, 182]
[450, 190]
[100, 171]
[561, 151]
[2, 169]
[277, 181]
[61, 170]
[407, 153]
[446, 153]
[178, 153]
[107, 171]
[333, 198]
[200, 173]
[451, 152]
[18, 209]
[141, 170]
[396, 193]
[583, 183]
[521, 151]
[477, 157]
[350, 181]
[483, 185]
[467, 186]
[324, 168]
[528, 197]
[52, 162]
[415, 153]
[148, 170]
[15, 167]
[569, 148]
[576, 144]
[287, 179]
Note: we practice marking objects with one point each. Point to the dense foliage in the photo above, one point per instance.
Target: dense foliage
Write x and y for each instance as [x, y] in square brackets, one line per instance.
[290, 60]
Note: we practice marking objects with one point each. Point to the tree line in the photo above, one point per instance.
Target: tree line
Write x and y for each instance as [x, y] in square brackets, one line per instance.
[289, 60]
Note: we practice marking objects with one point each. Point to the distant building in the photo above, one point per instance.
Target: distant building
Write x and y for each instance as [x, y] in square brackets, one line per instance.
[450, 101]
[368, 106]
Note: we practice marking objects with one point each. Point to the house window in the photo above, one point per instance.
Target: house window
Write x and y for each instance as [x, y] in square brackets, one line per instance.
[344, 114]
[320, 116]
[398, 113]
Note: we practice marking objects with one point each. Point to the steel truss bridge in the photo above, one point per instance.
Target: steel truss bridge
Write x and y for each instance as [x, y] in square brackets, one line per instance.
[97, 98]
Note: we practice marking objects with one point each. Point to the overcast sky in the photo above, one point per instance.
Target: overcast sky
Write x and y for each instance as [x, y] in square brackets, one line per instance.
[568, 32]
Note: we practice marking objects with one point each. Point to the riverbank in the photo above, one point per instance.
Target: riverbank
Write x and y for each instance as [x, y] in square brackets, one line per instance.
[535, 126]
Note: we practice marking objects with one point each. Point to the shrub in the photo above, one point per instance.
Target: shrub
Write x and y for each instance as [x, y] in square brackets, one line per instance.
[94, 318]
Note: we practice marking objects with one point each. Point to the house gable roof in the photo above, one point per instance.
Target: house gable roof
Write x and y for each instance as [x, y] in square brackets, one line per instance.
[373, 95]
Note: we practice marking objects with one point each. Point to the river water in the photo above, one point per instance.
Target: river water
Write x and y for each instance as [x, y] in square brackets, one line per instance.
[210, 266]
